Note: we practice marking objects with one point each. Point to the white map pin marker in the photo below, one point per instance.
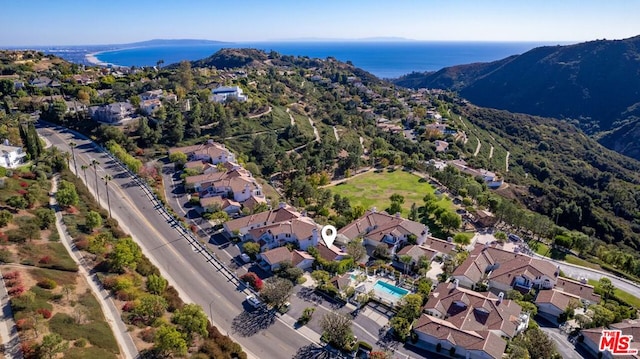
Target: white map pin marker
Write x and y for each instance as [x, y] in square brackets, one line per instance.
[329, 234]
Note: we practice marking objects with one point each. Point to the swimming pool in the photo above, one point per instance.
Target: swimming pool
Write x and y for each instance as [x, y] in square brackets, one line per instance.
[389, 289]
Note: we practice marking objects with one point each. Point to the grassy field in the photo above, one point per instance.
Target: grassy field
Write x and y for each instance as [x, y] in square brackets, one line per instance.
[621, 294]
[374, 189]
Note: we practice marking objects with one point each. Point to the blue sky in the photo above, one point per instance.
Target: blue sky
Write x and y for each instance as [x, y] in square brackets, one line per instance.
[79, 22]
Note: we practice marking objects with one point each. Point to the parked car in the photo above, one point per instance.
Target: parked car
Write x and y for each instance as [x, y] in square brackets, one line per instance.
[245, 258]
[253, 301]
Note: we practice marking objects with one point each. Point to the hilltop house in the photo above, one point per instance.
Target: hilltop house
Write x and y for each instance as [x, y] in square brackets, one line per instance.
[225, 93]
[11, 156]
[468, 323]
[381, 228]
[113, 113]
[491, 179]
[503, 270]
[551, 303]
[210, 151]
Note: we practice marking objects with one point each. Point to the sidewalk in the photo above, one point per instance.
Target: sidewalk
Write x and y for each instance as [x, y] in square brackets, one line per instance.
[111, 314]
[8, 330]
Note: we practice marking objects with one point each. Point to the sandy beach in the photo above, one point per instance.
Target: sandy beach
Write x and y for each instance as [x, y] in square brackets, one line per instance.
[93, 60]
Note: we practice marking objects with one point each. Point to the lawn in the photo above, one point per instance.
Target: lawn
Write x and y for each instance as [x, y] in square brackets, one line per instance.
[621, 295]
[373, 189]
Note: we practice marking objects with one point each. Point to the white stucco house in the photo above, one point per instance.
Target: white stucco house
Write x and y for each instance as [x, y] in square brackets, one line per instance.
[11, 156]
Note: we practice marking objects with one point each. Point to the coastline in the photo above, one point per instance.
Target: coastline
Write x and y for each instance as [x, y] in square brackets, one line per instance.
[93, 60]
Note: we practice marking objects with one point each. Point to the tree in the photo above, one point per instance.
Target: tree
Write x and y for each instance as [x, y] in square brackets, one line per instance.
[168, 341]
[51, 345]
[395, 207]
[413, 212]
[405, 259]
[251, 249]
[276, 291]
[461, 239]
[356, 250]
[126, 254]
[30, 230]
[192, 320]
[5, 217]
[93, 220]
[150, 307]
[84, 170]
[94, 164]
[46, 217]
[17, 202]
[178, 158]
[67, 195]
[401, 327]
[156, 284]
[381, 251]
[410, 307]
[605, 288]
[336, 329]
[450, 220]
[537, 344]
[397, 198]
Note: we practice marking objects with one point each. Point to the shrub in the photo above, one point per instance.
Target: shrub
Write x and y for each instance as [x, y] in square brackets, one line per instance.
[12, 283]
[82, 244]
[16, 291]
[47, 283]
[80, 343]
[11, 275]
[173, 299]
[306, 315]
[147, 335]
[45, 260]
[128, 306]
[29, 349]
[46, 313]
[24, 324]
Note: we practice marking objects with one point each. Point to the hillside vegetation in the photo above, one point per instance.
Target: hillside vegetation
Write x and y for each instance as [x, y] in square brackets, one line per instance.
[595, 85]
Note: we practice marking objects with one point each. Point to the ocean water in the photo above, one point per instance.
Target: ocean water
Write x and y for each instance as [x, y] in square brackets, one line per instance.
[383, 59]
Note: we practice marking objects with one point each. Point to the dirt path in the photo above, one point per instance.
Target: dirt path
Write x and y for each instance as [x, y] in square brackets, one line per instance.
[335, 133]
[506, 164]
[315, 130]
[477, 147]
[8, 330]
[491, 152]
[336, 182]
[264, 113]
[293, 121]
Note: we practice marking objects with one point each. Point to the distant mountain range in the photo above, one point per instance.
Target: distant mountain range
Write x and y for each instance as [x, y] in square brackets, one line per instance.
[595, 85]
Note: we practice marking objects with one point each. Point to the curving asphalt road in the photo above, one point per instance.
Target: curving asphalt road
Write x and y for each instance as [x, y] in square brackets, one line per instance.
[262, 335]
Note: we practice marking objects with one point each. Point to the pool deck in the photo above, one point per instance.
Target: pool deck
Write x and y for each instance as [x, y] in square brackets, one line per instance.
[369, 284]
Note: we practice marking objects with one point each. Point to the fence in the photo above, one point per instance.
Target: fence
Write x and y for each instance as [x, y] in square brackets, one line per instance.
[209, 256]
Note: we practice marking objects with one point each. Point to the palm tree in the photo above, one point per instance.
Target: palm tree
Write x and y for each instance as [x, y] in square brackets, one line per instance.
[159, 63]
[106, 179]
[95, 164]
[73, 152]
[84, 169]
[405, 259]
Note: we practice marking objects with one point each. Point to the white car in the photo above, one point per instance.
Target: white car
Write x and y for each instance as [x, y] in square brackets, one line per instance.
[253, 301]
[245, 258]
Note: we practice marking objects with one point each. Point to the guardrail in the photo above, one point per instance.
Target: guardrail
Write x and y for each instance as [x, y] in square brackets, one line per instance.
[209, 256]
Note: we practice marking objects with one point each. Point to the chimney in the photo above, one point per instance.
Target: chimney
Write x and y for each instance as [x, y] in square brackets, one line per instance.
[282, 205]
[374, 209]
[209, 142]
[500, 297]
[397, 214]
[455, 283]
[314, 237]
[557, 273]
[303, 213]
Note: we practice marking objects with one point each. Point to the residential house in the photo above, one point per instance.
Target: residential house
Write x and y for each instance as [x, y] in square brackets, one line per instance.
[468, 323]
[341, 282]
[503, 270]
[151, 95]
[551, 303]
[113, 113]
[381, 228]
[330, 254]
[414, 252]
[276, 228]
[253, 202]
[11, 156]
[238, 184]
[491, 179]
[149, 106]
[210, 151]
[441, 146]
[225, 93]
[591, 339]
[212, 204]
[40, 82]
[273, 258]
[74, 106]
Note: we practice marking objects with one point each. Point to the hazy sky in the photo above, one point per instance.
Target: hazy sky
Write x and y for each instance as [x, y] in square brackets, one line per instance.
[76, 22]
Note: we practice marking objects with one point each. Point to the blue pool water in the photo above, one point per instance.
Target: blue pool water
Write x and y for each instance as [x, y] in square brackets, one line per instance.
[387, 288]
